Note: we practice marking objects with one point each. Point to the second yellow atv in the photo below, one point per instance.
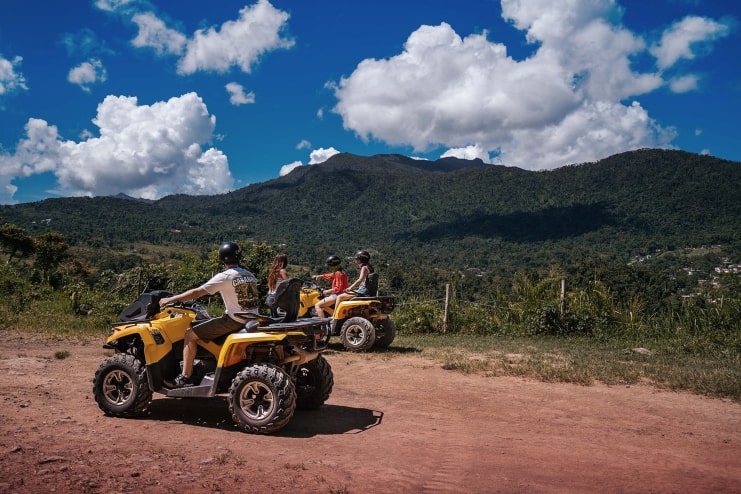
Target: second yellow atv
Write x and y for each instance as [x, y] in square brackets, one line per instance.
[362, 323]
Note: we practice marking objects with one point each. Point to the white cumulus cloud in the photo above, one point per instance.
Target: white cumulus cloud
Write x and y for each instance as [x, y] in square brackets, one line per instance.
[468, 153]
[319, 155]
[10, 79]
[286, 169]
[238, 43]
[88, 73]
[237, 96]
[153, 33]
[684, 84]
[144, 151]
[112, 5]
[574, 99]
[678, 41]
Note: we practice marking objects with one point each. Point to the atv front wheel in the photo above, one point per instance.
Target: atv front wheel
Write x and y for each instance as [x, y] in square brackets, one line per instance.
[385, 333]
[357, 334]
[120, 386]
[262, 399]
[314, 383]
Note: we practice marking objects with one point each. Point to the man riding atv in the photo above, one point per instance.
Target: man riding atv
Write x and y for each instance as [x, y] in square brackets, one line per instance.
[266, 369]
[238, 289]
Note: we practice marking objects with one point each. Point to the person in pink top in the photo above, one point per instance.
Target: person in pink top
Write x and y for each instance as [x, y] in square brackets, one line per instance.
[338, 277]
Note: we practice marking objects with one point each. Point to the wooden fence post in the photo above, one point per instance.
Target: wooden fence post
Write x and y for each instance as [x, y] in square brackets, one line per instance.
[563, 296]
[447, 303]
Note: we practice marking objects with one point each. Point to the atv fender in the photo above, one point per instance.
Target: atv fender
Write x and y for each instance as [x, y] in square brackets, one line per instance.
[236, 344]
[156, 347]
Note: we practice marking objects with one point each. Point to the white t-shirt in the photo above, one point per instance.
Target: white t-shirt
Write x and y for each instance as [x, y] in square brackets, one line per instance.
[238, 289]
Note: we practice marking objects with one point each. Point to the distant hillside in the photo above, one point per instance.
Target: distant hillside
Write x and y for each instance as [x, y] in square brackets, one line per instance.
[450, 213]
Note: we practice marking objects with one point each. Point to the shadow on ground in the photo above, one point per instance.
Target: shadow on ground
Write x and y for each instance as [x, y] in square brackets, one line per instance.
[214, 413]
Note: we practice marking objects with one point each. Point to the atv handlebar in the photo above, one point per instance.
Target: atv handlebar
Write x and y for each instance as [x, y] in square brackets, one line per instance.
[200, 310]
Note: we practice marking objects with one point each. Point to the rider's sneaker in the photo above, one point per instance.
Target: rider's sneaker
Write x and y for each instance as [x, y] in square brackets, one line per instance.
[179, 382]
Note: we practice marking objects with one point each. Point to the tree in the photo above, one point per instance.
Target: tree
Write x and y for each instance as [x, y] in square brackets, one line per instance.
[51, 250]
[16, 241]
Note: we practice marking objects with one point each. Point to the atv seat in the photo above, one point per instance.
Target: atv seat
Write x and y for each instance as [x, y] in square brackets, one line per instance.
[287, 298]
[287, 295]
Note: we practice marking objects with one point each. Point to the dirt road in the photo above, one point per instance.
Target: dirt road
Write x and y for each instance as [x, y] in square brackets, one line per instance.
[397, 424]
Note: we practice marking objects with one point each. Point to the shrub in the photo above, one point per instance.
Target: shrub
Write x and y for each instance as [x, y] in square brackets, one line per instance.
[544, 320]
[466, 318]
[419, 317]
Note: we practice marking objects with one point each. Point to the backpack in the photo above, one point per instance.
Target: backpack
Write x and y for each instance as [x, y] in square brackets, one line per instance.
[371, 284]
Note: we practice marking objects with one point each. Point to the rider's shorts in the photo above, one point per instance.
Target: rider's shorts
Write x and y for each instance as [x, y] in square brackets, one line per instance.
[218, 326]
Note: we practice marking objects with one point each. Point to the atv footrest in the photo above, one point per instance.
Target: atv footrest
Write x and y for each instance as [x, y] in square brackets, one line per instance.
[201, 391]
[208, 380]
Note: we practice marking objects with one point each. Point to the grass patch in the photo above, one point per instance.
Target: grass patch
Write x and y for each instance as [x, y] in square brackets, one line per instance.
[57, 321]
[582, 361]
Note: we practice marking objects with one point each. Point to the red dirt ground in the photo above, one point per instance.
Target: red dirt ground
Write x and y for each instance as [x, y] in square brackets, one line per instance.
[398, 424]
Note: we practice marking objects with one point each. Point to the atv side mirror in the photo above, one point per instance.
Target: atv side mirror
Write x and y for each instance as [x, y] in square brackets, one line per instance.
[287, 295]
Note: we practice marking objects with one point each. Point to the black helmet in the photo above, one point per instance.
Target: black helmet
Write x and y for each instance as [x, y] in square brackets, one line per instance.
[230, 253]
[362, 255]
[333, 263]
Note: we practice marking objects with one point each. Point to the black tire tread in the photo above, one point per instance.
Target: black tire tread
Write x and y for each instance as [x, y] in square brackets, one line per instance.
[322, 372]
[284, 392]
[138, 374]
[369, 334]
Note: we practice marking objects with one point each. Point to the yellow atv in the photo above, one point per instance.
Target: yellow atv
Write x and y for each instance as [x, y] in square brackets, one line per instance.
[266, 370]
[361, 323]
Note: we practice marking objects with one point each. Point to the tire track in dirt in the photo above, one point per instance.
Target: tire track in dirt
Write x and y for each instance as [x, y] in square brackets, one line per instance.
[451, 454]
[439, 465]
[455, 449]
[436, 441]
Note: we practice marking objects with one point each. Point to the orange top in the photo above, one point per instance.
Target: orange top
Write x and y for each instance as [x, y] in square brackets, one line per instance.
[339, 281]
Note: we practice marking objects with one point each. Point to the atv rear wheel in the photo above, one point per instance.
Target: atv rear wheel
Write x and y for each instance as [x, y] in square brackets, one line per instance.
[357, 334]
[262, 399]
[385, 333]
[314, 383]
[120, 386]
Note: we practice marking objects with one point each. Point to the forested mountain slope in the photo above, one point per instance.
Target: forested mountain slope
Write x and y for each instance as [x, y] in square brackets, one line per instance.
[451, 213]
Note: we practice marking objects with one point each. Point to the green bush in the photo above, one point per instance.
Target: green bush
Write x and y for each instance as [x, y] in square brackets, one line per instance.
[473, 319]
[419, 317]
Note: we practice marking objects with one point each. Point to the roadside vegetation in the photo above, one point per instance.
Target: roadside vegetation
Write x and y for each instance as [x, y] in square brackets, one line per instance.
[587, 336]
[524, 327]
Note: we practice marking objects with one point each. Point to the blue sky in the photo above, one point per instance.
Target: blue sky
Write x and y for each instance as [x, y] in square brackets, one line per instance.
[152, 98]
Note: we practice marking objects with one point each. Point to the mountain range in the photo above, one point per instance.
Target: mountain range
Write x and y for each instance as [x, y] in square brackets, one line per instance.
[450, 214]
